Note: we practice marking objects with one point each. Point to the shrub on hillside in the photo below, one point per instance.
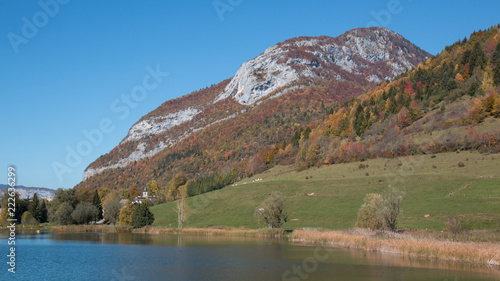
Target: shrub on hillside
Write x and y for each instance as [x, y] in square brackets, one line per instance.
[453, 225]
[362, 166]
[368, 214]
[380, 211]
[271, 212]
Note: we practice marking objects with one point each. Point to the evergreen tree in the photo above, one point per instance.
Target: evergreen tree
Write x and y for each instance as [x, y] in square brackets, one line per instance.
[495, 59]
[43, 212]
[96, 201]
[142, 216]
[307, 131]
[359, 120]
[296, 138]
[477, 58]
[34, 208]
[21, 206]
[496, 73]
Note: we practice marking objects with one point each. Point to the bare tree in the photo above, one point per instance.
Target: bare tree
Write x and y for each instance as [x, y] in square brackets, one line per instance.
[181, 207]
[393, 198]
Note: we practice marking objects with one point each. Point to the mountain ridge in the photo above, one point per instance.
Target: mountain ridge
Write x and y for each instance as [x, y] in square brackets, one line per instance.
[28, 192]
[280, 70]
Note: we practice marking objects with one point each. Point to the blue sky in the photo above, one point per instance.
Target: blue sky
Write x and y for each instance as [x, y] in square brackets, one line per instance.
[64, 64]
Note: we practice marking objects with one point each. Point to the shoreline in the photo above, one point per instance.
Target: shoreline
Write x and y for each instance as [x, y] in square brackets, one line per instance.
[486, 254]
[209, 231]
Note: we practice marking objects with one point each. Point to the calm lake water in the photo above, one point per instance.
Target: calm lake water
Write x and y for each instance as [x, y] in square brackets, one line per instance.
[125, 256]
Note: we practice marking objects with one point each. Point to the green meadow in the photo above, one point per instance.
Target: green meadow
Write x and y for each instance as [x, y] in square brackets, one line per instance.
[435, 187]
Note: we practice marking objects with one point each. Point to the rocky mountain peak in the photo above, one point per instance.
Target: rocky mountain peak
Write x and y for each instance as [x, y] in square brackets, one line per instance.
[363, 55]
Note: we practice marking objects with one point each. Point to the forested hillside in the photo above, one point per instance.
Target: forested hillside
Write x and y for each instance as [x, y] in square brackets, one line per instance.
[243, 125]
[449, 96]
[447, 102]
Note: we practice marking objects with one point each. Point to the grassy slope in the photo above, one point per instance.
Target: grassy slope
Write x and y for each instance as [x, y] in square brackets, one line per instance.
[472, 192]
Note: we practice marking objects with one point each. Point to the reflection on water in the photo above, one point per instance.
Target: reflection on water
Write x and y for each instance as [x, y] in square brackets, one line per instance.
[127, 256]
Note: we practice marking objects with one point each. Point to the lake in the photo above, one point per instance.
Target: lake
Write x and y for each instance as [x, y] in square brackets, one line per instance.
[126, 256]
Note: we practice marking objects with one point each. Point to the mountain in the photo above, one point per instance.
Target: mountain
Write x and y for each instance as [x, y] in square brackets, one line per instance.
[233, 124]
[450, 102]
[28, 192]
[359, 55]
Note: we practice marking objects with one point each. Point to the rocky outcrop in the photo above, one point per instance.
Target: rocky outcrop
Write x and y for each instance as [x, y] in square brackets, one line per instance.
[371, 54]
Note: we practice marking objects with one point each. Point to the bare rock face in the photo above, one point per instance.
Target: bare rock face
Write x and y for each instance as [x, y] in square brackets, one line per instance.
[259, 77]
[157, 125]
[364, 56]
[369, 54]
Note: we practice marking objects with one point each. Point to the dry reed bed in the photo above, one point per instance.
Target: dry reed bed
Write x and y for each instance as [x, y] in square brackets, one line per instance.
[470, 252]
[213, 231]
[90, 228]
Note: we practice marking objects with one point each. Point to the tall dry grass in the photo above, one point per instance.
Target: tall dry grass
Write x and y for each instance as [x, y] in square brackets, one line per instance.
[89, 228]
[214, 231]
[210, 231]
[470, 252]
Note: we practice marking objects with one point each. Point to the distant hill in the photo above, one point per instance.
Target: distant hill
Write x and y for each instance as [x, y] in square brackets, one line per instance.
[25, 192]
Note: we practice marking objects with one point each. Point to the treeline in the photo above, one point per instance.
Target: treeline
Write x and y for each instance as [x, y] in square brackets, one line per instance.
[211, 182]
[27, 211]
[73, 206]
